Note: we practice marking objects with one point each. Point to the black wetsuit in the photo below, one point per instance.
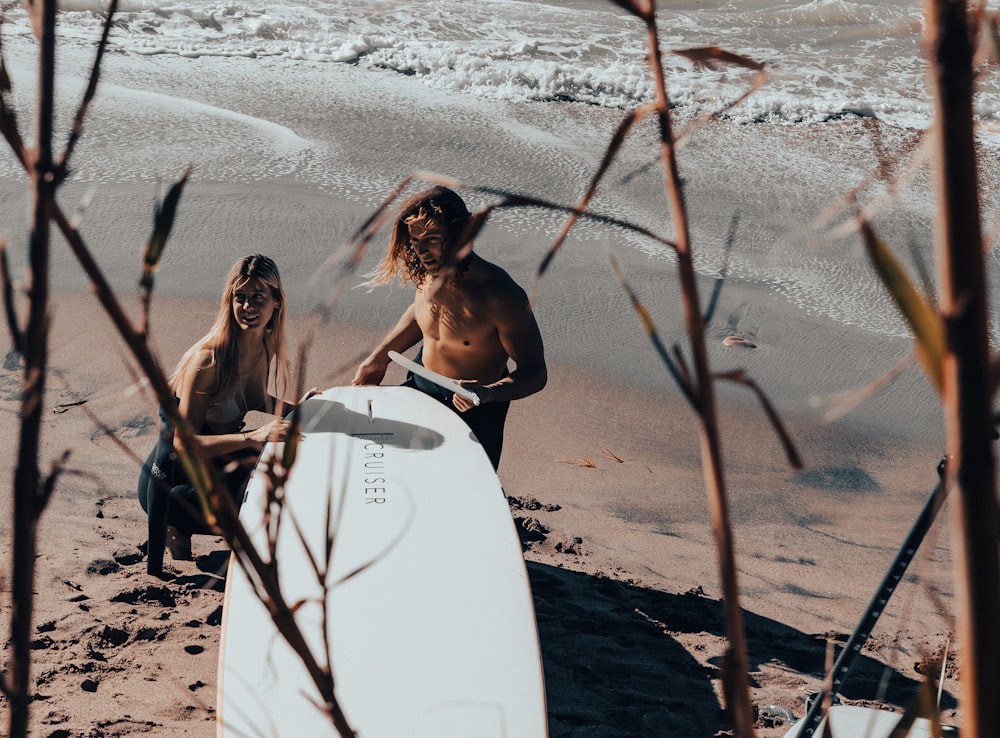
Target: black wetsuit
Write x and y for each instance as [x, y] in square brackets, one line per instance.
[486, 421]
[166, 493]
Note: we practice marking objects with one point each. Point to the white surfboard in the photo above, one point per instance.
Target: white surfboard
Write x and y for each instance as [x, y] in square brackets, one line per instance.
[436, 636]
[854, 721]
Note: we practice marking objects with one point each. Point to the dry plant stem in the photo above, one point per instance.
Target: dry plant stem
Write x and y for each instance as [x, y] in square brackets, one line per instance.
[29, 493]
[966, 383]
[735, 684]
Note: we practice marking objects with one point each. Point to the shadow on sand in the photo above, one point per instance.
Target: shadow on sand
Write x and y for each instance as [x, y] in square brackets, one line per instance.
[613, 666]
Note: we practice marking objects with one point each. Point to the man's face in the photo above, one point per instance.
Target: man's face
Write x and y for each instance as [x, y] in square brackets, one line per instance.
[427, 240]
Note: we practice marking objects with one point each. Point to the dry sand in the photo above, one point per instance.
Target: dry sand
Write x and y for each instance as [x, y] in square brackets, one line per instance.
[605, 483]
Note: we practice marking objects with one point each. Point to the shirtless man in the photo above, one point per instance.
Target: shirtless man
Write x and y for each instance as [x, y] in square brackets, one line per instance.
[471, 316]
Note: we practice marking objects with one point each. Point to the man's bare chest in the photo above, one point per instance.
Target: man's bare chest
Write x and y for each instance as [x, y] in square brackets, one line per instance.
[451, 315]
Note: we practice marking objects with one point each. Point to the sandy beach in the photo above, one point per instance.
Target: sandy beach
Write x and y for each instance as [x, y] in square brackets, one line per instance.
[605, 483]
[602, 468]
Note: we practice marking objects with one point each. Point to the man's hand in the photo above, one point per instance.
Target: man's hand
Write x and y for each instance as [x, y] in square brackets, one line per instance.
[372, 371]
[462, 403]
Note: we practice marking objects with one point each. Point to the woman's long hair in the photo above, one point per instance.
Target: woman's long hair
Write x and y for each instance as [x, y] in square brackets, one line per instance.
[437, 206]
[222, 341]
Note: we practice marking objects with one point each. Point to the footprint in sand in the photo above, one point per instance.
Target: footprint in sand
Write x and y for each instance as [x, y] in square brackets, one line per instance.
[10, 388]
[529, 503]
[151, 595]
[140, 425]
[530, 530]
[135, 427]
[537, 536]
[103, 567]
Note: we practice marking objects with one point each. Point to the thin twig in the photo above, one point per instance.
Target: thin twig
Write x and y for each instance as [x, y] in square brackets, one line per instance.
[62, 166]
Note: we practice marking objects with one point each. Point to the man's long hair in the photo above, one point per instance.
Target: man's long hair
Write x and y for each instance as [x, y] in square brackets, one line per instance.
[438, 206]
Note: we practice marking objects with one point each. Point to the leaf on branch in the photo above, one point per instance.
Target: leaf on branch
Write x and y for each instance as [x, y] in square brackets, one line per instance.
[633, 7]
[291, 449]
[840, 404]
[919, 312]
[163, 222]
[712, 56]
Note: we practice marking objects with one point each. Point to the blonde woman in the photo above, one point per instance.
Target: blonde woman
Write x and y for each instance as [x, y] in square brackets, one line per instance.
[218, 381]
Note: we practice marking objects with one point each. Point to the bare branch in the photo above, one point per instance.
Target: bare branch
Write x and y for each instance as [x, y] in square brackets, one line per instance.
[791, 452]
[684, 135]
[682, 366]
[758, 80]
[850, 199]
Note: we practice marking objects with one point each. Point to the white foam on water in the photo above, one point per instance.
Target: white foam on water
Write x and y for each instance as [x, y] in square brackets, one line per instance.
[828, 58]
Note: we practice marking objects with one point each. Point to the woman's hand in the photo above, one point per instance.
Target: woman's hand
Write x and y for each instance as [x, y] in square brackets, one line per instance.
[310, 393]
[275, 430]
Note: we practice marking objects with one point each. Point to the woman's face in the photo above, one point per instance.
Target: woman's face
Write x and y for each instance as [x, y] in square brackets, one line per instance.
[253, 305]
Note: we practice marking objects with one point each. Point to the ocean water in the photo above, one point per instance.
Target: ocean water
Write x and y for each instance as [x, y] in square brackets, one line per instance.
[828, 58]
[350, 96]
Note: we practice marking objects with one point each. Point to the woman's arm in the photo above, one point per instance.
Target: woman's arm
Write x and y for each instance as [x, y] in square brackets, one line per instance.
[274, 405]
[193, 397]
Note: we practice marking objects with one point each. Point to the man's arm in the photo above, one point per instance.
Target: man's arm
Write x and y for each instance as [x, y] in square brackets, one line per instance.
[405, 335]
[521, 339]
